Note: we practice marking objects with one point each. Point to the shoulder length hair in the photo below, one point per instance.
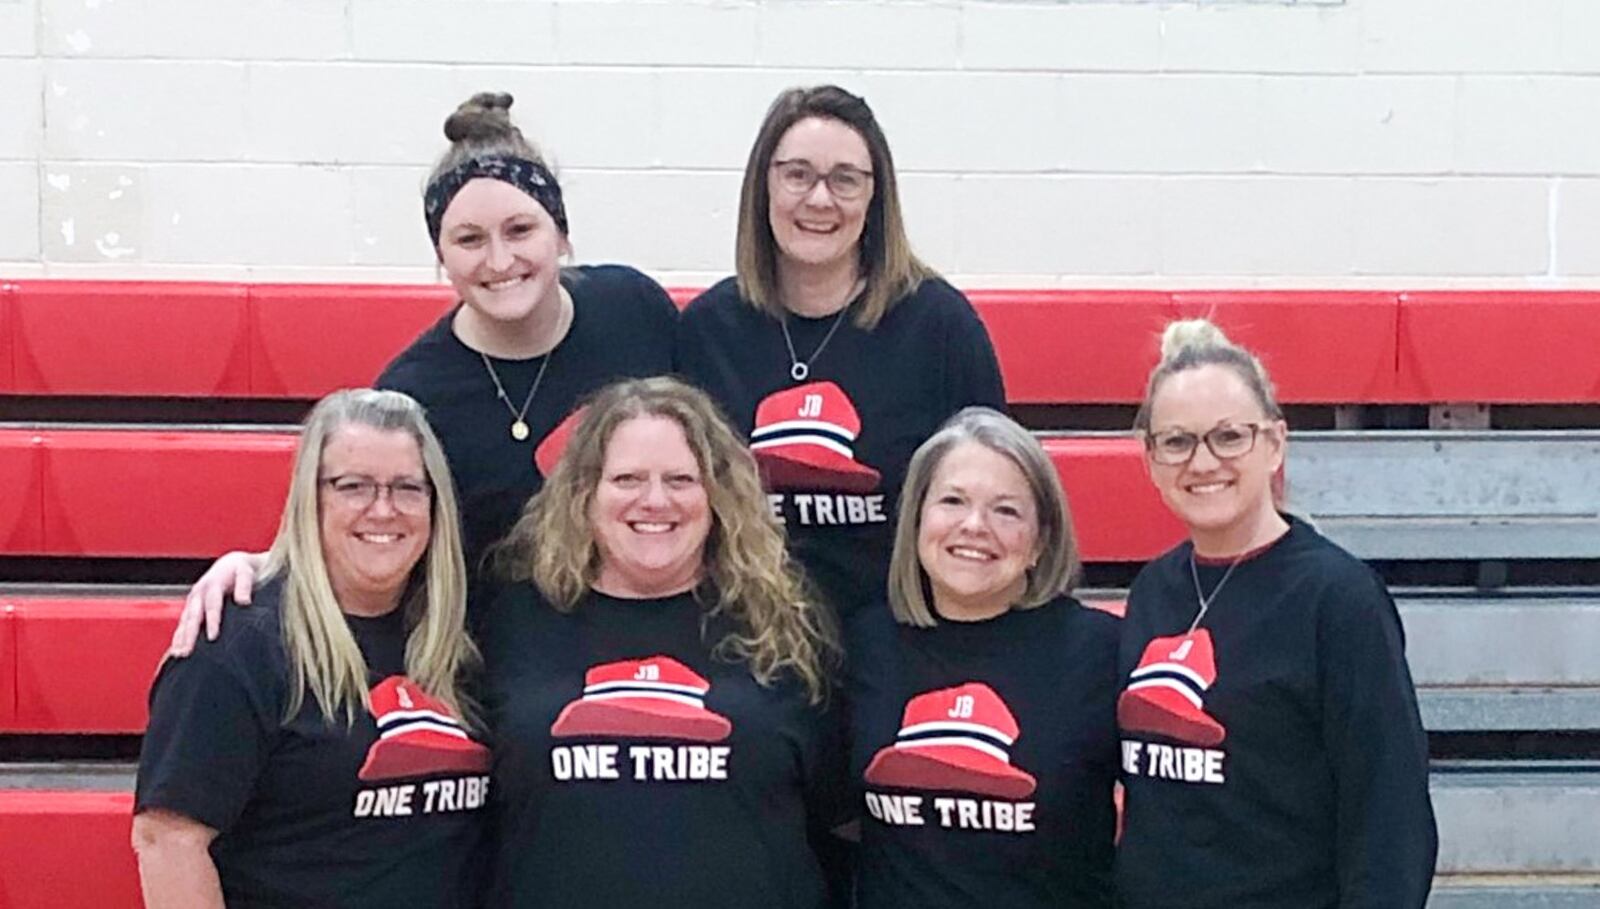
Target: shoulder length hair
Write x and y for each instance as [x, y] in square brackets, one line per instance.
[748, 575]
[888, 267]
[909, 597]
[324, 658]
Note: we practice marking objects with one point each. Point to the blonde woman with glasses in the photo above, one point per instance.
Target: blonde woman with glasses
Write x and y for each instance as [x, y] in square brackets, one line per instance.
[1272, 751]
[320, 752]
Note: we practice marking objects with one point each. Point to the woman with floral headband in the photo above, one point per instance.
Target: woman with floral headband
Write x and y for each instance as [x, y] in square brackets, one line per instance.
[530, 338]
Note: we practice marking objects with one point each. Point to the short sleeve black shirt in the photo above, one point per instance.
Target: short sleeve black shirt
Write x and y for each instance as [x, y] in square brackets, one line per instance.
[633, 769]
[985, 756]
[310, 813]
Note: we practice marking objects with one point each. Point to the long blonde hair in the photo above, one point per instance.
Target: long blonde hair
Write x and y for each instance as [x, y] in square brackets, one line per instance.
[749, 578]
[324, 658]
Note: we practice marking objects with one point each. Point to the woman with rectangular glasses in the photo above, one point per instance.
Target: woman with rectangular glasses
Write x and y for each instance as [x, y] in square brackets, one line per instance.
[1272, 751]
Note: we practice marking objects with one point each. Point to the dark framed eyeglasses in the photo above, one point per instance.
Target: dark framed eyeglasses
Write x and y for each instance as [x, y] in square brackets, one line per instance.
[357, 492]
[798, 177]
[1176, 447]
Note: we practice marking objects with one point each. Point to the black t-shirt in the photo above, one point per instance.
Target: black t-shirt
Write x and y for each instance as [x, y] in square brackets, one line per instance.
[927, 358]
[634, 770]
[312, 813]
[1275, 757]
[985, 754]
[622, 327]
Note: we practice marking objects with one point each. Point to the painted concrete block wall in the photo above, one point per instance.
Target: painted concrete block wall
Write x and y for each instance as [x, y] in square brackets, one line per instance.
[1363, 142]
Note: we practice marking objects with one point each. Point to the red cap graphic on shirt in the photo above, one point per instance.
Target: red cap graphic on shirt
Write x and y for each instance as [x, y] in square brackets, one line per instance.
[956, 739]
[551, 446]
[417, 736]
[653, 698]
[804, 439]
[1166, 693]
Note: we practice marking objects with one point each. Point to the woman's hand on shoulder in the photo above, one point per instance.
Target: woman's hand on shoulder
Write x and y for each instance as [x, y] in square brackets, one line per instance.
[234, 573]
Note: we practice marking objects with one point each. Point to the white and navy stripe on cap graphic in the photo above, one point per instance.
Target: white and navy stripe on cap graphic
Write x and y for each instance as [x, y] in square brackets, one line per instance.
[1175, 676]
[397, 722]
[976, 736]
[691, 695]
[831, 436]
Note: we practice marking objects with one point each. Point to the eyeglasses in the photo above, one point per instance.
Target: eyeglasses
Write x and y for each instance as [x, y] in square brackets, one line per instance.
[1177, 447]
[845, 182]
[358, 493]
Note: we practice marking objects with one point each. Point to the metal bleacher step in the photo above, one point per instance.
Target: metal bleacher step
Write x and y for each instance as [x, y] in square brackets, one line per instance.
[1518, 817]
[54, 776]
[1515, 891]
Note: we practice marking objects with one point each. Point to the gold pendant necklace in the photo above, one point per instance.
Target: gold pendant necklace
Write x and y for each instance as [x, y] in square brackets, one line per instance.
[519, 425]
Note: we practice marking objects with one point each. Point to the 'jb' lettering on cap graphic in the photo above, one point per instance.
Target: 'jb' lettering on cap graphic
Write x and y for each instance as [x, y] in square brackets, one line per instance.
[804, 439]
[653, 698]
[1166, 693]
[954, 739]
[417, 736]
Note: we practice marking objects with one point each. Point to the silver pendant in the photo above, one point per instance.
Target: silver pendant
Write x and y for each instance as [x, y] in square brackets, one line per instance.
[799, 371]
[519, 431]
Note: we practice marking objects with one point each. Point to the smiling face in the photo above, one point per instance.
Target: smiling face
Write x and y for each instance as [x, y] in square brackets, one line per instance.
[370, 549]
[1227, 504]
[815, 228]
[978, 533]
[501, 250]
[650, 514]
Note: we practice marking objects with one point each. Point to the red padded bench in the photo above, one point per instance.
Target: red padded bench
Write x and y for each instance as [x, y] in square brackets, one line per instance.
[1511, 347]
[195, 494]
[67, 850]
[82, 664]
[1079, 346]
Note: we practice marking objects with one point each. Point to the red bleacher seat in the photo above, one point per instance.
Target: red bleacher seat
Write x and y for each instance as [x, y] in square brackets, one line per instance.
[70, 850]
[163, 494]
[1318, 346]
[21, 505]
[117, 338]
[7, 378]
[1513, 347]
[1074, 346]
[309, 339]
[85, 664]
[1118, 513]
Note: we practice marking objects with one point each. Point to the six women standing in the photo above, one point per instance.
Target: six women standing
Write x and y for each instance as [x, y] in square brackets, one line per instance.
[659, 676]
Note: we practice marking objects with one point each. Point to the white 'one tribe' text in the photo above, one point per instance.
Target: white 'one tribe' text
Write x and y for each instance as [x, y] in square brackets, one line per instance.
[951, 812]
[467, 793]
[1172, 762]
[639, 762]
[820, 509]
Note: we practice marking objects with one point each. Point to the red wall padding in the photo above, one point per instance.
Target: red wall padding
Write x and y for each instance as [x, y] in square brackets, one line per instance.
[1512, 347]
[174, 494]
[85, 664]
[67, 850]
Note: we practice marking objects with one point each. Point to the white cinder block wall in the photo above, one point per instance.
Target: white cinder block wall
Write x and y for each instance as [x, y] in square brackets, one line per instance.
[1366, 142]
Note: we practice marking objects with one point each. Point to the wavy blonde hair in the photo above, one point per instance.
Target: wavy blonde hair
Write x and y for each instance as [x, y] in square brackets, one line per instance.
[748, 575]
[1058, 565]
[324, 658]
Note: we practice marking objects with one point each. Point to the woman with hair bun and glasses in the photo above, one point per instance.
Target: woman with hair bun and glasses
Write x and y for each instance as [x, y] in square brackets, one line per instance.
[834, 347]
[1272, 751]
[528, 340]
[983, 731]
[658, 677]
[316, 754]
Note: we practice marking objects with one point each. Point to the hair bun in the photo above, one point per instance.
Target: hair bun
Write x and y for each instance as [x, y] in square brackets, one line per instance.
[1188, 334]
[485, 117]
